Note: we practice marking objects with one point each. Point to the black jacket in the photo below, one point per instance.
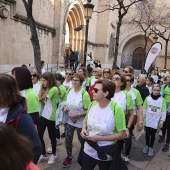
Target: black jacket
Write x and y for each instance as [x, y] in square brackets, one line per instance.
[144, 91]
[25, 127]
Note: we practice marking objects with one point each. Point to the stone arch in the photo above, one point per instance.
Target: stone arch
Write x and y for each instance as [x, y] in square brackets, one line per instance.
[129, 47]
[75, 17]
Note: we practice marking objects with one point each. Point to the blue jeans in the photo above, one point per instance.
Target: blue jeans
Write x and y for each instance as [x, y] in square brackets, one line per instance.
[89, 163]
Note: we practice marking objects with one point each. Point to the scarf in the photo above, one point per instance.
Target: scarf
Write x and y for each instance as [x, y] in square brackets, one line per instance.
[155, 97]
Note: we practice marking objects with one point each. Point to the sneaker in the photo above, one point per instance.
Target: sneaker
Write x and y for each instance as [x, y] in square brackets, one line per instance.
[49, 150]
[126, 160]
[169, 153]
[63, 135]
[67, 161]
[145, 149]
[52, 159]
[150, 152]
[165, 147]
[43, 158]
[59, 142]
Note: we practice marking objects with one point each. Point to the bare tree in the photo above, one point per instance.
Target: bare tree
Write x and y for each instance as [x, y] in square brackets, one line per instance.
[122, 8]
[34, 35]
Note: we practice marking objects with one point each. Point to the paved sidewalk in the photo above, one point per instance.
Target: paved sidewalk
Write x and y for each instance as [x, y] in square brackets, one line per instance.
[139, 161]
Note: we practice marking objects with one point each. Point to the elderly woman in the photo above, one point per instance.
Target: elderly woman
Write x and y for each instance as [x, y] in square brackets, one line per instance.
[103, 125]
[141, 87]
[77, 101]
[124, 99]
[68, 83]
[106, 74]
[13, 109]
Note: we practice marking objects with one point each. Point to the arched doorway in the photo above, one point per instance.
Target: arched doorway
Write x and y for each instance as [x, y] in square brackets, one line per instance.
[75, 18]
[138, 58]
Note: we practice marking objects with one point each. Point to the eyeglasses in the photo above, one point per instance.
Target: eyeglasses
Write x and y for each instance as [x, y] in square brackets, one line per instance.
[96, 90]
[116, 78]
[128, 80]
[75, 80]
[33, 75]
[125, 71]
[68, 74]
[106, 71]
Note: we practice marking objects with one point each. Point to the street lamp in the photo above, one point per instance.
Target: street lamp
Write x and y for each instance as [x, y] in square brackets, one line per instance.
[88, 9]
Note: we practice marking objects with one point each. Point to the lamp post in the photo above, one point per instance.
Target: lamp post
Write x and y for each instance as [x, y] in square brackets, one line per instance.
[88, 9]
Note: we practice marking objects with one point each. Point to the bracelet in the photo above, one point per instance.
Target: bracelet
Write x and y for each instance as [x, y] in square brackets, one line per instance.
[128, 128]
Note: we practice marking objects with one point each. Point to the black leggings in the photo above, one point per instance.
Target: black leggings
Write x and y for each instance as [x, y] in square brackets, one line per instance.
[43, 123]
[150, 136]
[168, 129]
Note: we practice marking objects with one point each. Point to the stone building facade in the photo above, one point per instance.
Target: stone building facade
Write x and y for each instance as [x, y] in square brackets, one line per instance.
[55, 21]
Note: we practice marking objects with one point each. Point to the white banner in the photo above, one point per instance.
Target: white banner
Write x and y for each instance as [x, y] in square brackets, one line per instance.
[153, 52]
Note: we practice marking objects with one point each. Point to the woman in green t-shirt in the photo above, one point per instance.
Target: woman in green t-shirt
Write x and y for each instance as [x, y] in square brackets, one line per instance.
[23, 78]
[49, 98]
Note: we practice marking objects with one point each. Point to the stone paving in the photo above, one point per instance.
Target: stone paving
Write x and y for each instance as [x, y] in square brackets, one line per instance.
[139, 161]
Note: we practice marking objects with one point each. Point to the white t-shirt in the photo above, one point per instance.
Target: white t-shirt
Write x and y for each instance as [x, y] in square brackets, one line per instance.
[75, 105]
[63, 73]
[43, 70]
[103, 124]
[36, 88]
[69, 84]
[93, 81]
[3, 114]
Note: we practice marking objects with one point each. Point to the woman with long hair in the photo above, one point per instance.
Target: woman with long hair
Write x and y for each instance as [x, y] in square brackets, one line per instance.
[13, 108]
[106, 74]
[124, 99]
[49, 98]
[68, 83]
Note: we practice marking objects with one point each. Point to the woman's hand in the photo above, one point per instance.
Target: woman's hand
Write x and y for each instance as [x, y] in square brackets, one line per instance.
[65, 109]
[140, 126]
[94, 138]
[161, 124]
[84, 133]
[127, 133]
[73, 116]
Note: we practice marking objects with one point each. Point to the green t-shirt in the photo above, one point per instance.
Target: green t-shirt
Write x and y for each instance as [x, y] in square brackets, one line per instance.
[49, 105]
[63, 91]
[32, 100]
[167, 94]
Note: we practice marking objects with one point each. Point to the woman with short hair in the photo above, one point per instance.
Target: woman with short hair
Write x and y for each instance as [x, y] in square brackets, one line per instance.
[106, 74]
[77, 101]
[13, 109]
[68, 83]
[103, 125]
[23, 78]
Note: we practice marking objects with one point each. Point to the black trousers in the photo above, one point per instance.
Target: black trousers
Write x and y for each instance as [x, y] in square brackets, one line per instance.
[43, 123]
[168, 129]
[150, 136]
[89, 163]
[127, 142]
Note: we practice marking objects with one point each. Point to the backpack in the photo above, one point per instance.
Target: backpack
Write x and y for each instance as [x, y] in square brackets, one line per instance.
[73, 57]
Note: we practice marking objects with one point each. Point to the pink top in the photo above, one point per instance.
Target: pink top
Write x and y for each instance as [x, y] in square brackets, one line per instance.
[32, 166]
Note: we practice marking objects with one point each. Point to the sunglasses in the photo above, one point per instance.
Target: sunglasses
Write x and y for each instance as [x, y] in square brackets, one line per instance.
[128, 80]
[75, 80]
[116, 78]
[125, 71]
[68, 74]
[33, 75]
[95, 90]
[106, 71]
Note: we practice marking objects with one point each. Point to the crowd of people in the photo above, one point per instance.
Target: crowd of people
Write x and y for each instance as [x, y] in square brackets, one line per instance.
[102, 105]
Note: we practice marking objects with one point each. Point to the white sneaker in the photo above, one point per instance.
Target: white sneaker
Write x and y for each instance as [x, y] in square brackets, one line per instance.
[145, 150]
[49, 150]
[52, 159]
[43, 158]
[59, 141]
[150, 152]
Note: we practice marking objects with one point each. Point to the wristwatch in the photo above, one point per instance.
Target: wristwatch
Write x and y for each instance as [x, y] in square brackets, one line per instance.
[141, 121]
